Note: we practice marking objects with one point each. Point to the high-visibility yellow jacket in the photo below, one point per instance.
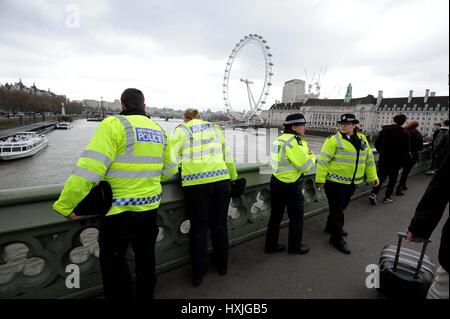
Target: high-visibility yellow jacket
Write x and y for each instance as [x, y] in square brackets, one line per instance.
[340, 162]
[133, 154]
[202, 153]
[291, 157]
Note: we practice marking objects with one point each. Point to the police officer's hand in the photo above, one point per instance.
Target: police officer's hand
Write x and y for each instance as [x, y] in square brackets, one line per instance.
[320, 186]
[73, 216]
[376, 183]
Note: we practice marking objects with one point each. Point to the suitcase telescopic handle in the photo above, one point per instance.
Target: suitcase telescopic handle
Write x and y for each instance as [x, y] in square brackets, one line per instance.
[422, 254]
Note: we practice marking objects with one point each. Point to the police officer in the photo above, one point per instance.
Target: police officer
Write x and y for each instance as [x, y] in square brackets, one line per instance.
[132, 153]
[291, 158]
[345, 159]
[207, 167]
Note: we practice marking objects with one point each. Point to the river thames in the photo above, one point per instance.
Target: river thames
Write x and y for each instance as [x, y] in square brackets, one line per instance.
[54, 164]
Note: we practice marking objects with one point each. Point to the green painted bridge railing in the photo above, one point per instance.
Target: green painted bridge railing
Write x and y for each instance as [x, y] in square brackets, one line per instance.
[37, 244]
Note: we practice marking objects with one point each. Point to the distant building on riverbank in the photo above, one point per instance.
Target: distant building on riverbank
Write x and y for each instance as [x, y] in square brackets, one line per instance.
[322, 114]
[20, 87]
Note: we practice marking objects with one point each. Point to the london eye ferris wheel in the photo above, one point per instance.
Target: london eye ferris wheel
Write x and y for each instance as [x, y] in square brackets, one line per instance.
[262, 58]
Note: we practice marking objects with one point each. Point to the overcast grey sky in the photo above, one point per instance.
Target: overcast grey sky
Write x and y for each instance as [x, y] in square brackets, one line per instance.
[176, 51]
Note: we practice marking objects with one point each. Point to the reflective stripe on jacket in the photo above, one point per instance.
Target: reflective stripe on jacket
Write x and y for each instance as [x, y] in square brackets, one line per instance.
[133, 154]
[202, 152]
[340, 162]
[291, 158]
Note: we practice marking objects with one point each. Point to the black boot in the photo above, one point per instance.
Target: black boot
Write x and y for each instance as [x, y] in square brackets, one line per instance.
[343, 234]
[303, 249]
[341, 245]
[398, 192]
[277, 249]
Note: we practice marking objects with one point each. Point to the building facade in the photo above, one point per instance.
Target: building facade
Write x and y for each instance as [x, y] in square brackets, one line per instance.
[20, 87]
[293, 91]
[373, 113]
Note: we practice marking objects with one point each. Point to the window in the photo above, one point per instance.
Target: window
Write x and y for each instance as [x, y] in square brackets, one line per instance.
[16, 149]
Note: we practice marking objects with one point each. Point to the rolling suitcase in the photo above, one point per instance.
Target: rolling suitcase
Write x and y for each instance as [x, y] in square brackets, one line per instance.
[405, 273]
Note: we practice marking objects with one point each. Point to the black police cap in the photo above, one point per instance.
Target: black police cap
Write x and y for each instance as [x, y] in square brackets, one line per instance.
[348, 118]
[295, 119]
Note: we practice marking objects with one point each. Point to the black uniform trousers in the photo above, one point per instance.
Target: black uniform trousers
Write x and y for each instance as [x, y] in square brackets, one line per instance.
[407, 167]
[284, 195]
[116, 233]
[386, 170]
[207, 206]
[338, 196]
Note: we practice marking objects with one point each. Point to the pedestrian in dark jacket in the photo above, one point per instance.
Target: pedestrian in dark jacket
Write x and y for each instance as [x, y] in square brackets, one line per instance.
[439, 144]
[437, 127]
[393, 146]
[428, 214]
[434, 163]
[415, 146]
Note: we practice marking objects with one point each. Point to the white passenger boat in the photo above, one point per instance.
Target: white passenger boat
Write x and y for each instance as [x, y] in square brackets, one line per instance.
[22, 144]
[64, 125]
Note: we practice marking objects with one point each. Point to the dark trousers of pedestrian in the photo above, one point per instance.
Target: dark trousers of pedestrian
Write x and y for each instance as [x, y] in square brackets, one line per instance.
[282, 196]
[407, 167]
[116, 233]
[434, 163]
[338, 196]
[208, 208]
[438, 162]
[385, 171]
